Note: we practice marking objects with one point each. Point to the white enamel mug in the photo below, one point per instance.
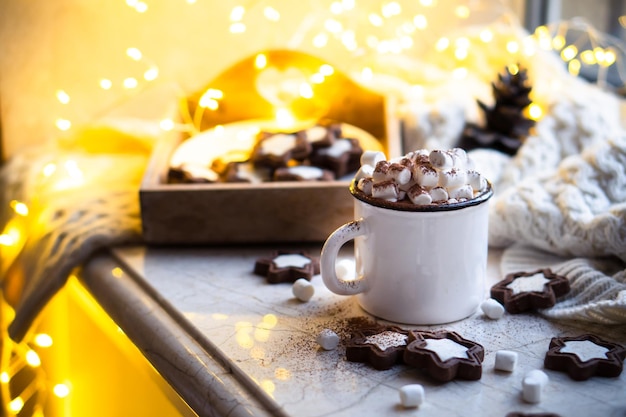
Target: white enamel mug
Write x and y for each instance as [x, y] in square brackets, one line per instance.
[418, 265]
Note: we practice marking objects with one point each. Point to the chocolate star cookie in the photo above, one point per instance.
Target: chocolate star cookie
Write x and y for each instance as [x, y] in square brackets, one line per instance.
[380, 346]
[287, 266]
[445, 355]
[585, 356]
[523, 291]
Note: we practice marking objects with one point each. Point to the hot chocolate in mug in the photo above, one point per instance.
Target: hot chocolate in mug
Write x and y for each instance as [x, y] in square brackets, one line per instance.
[414, 264]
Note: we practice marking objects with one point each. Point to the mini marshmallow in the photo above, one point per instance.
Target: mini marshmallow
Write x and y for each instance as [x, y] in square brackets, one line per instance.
[372, 158]
[328, 339]
[380, 171]
[533, 385]
[401, 174]
[345, 269]
[302, 289]
[492, 309]
[438, 194]
[452, 178]
[462, 192]
[386, 190]
[441, 160]
[459, 156]
[365, 185]
[419, 195]
[505, 360]
[364, 172]
[425, 176]
[476, 181]
[411, 395]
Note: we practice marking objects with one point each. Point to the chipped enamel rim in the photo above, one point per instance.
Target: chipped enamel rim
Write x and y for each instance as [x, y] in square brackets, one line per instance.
[402, 206]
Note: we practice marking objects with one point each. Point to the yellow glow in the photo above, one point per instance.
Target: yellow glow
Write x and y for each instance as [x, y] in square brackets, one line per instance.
[61, 390]
[268, 386]
[167, 124]
[4, 377]
[391, 9]
[486, 35]
[282, 374]
[270, 320]
[19, 208]
[367, 74]
[43, 340]
[244, 339]
[284, 118]
[513, 69]
[609, 57]
[460, 53]
[348, 4]
[151, 74]
[545, 43]
[542, 32]
[134, 53]
[462, 12]
[598, 52]
[210, 97]
[375, 19]
[63, 97]
[306, 91]
[260, 61]
[141, 7]
[442, 44]
[130, 82]
[320, 40]
[535, 111]
[459, 73]
[427, 3]
[237, 28]
[569, 53]
[588, 57]
[105, 84]
[333, 26]
[209, 103]
[237, 13]
[16, 405]
[317, 78]
[573, 67]
[117, 272]
[348, 40]
[558, 42]
[257, 352]
[271, 14]
[7, 240]
[32, 358]
[63, 124]
[512, 47]
[420, 21]
[336, 7]
[327, 70]
[73, 170]
[49, 170]
[219, 316]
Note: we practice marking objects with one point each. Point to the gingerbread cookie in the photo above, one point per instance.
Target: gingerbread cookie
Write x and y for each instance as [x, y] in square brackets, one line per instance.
[342, 157]
[523, 291]
[190, 173]
[287, 266]
[303, 173]
[322, 136]
[445, 355]
[275, 150]
[585, 356]
[380, 346]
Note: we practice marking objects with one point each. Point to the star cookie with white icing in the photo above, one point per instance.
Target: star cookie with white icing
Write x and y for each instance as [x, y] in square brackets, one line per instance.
[287, 266]
[522, 291]
[445, 355]
[381, 347]
[585, 356]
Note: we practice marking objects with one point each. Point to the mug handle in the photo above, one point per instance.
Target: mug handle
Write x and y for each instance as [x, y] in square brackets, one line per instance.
[328, 258]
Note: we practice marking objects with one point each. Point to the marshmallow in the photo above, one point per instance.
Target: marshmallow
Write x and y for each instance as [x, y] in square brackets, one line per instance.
[302, 289]
[452, 178]
[462, 192]
[438, 194]
[425, 176]
[364, 172]
[327, 339]
[441, 160]
[419, 195]
[386, 190]
[492, 309]
[533, 385]
[380, 171]
[459, 156]
[365, 185]
[372, 158]
[401, 174]
[505, 360]
[477, 182]
[411, 395]
[346, 269]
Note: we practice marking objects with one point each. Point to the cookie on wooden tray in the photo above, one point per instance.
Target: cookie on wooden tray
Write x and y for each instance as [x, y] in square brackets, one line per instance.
[322, 136]
[303, 173]
[275, 150]
[585, 356]
[192, 173]
[342, 157]
[522, 291]
[287, 266]
[445, 355]
[380, 346]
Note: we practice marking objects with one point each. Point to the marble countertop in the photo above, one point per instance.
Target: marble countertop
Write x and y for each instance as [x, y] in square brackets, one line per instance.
[232, 344]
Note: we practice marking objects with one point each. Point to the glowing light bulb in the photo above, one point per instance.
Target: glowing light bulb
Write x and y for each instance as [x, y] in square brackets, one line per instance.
[63, 97]
[588, 57]
[32, 358]
[19, 208]
[49, 170]
[512, 47]
[609, 57]
[260, 61]
[367, 74]
[237, 28]
[391, 9]
[16, 405]
[130, 83]
[284, 118]
[462, 12]
[151, 74]
[513, 69]
[317, 78]
[569, 53]
[271, 14]
[166, 124]
[237, 13]
[486, 35]
[535, 111]
[333, 26]
[573, 67]
[43, 340]
[320, 40]
[327, 70]
[375, 19]
[61, 390]
[459, 73]
[306, 91]
[7, 240]
[63, 124]
[442, 44]
[336, 7]
[558, 42]
[460, 53]
[427, 3]
[117, 272]
[4, 378]
[105, 84]
[71, 167]
[134, 54]
[348, 4]
[420, 21]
